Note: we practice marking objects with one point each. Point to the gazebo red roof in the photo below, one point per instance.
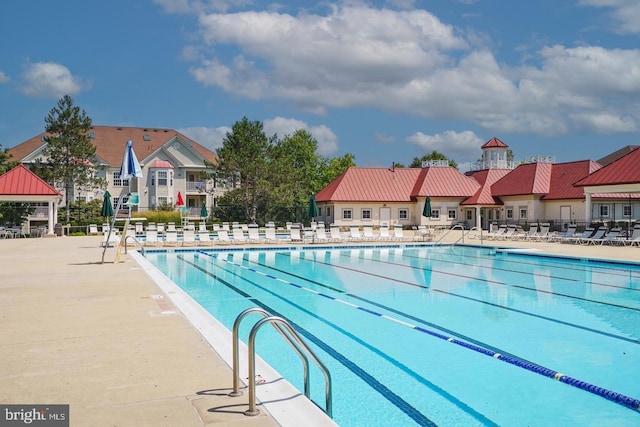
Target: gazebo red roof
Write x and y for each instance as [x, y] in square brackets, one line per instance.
[20, 181]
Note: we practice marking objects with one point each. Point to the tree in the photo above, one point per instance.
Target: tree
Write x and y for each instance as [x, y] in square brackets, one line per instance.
[68, 160]
[334, 167]
[245, 155]
[434, 155]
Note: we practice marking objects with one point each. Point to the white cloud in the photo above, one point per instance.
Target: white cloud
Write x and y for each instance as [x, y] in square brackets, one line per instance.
[3, 78]
[386, 139]
[49, 79]
[410, 62]
[625, 14]
[457, 145]
[188, 6]
[326, 138]
[211, 138]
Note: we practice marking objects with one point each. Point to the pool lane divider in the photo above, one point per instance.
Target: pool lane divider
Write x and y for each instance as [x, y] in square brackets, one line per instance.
[629, 402]
[413, 413]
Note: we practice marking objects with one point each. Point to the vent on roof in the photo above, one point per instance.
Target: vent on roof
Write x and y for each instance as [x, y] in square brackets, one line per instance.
[146, 137]
[119, 128]
[43, 138]
[92, 135]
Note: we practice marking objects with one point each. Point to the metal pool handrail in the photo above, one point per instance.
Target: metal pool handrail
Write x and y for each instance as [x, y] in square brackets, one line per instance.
[136, 240]
[291, 336]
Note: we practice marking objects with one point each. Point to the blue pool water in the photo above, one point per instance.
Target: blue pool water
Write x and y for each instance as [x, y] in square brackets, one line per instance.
[446, 336]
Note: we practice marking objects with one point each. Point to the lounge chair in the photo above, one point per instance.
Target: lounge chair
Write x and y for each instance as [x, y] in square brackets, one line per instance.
[634, 238]
[202, 226]
[139, 228]
[254, 234]
[578, 237]
[398, 233]
[238, 236]
[188, 237]
[161, 228]
[223, 237]
[171, 226]
[334, 233]
[113, 237]
[151, 238]
[367, 233]
[204, 239]
[596, 238]
[270, 233]
[295, 233]
[508, 234]
[321, 234]
[93, 229]
[569, 233]
[544, 233]
[423, 234]
[354, 233]
[612, 237]
[494, 235]
[383, 232]
[171, 238]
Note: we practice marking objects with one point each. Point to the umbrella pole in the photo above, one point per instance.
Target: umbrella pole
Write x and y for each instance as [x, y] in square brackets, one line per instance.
[113, 222]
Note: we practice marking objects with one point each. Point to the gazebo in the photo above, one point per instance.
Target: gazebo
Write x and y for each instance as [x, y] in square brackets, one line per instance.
[21, 185]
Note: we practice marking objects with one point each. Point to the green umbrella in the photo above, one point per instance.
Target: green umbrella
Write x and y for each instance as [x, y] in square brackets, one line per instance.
[107, 207]
[312, 211]
[203, 210]
[427, 207]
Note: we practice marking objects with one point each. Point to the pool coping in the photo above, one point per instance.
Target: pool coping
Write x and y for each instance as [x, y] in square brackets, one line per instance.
[283, 402]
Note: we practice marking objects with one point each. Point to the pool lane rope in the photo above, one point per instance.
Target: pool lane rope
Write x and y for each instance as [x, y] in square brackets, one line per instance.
[621, 399]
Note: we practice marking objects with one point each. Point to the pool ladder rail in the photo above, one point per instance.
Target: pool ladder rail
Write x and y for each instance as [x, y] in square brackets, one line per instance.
[297, 344]
[464, 233]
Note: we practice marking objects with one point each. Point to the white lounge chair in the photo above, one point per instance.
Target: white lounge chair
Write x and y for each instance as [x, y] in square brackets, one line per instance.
[238, 236]
[93, 229]
[586, 233]
[321, 234]
[334, 233]
[171, 238]
[354, 233]
[634, 238]
[498, 233]
[223, 237]
[254, 234]
[295, 233]
[202, 226]
[398, 233]
[188, 237]
[383, 232]
[569, 233]
[367, 233]
[204, 239]
[597, 236]
[151, 238]
[270, 233]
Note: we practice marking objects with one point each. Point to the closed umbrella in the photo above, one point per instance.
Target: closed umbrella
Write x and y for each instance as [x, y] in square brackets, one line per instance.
[312, 211]
[107, 207]
[426, 211]
[203, 210]
[179, 200]
[130, 167]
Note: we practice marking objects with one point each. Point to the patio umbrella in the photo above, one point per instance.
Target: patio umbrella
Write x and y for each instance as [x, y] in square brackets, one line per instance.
[426, 211]
[203, 210]
[107, 207]
[130, 167]
[312, 211]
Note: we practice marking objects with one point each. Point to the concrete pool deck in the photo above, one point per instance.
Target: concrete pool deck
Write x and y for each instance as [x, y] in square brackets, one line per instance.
[105, 340]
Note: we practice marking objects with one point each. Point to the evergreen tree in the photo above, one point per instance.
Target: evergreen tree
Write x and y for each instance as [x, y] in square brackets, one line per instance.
[69, 159]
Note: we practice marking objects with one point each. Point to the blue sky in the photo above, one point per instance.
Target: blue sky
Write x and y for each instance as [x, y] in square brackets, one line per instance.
[384, 80]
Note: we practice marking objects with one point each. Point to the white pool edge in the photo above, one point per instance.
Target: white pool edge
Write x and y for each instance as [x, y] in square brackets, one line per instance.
[284, 403]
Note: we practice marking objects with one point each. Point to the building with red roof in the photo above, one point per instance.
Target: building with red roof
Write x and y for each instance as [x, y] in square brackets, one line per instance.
[21, 185]
[171, 163]
[498, 190]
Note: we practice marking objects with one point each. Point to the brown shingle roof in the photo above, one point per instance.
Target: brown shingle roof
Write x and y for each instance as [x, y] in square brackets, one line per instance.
[625, 170]
[110, 142]
[20, 181]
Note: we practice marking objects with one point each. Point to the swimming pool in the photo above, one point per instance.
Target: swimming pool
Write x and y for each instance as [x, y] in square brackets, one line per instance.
[447, 335]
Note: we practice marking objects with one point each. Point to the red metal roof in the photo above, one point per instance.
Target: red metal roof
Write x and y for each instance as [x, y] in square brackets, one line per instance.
[444, 182]
[371, 185]
[161, 164]
[530, 178]
[486, 178]
[494, 142]
[563, 175]
[20, 181]
[625, 170]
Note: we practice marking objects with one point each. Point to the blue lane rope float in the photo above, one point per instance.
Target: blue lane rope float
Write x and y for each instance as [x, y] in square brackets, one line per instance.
[629, 402]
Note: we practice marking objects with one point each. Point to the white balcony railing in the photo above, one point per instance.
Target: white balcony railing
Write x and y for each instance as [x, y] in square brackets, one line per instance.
[196, 186]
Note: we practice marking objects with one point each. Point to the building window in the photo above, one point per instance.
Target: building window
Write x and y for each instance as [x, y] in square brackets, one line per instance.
[523, 213]
[117, 182]
[509, 213]
[435, 213]
[604, 210]
[403, 214]
[347, 214]
[626, 211]
[366, 213]
[162, 200]
[319, 211]
[453, 214]
[469, 214]
[162, 177]
[328, 211]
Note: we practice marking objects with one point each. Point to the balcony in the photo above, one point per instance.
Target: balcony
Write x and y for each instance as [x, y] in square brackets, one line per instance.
[195, 187]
